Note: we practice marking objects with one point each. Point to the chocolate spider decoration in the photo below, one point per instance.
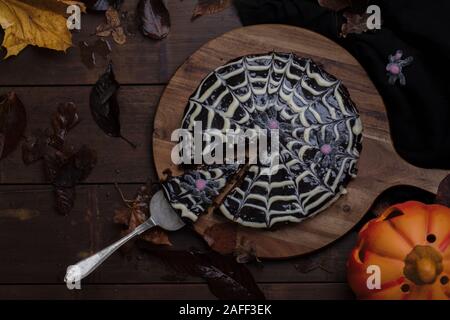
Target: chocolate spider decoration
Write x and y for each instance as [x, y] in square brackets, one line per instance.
[395, 67]
[328, 150]
[269, 120]
[199, 187]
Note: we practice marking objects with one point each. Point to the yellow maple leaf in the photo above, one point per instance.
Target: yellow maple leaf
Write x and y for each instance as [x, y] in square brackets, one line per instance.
[41, 23]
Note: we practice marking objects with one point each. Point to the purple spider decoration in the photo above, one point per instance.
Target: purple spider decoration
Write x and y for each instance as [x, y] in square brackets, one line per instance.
[328, 150]
[269, 120]
[200, 187]
[395, 67]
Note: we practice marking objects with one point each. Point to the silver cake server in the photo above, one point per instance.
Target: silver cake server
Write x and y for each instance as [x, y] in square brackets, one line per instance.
[162, 215]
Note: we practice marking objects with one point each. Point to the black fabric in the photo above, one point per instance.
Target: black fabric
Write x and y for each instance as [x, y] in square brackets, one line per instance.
[419, 112]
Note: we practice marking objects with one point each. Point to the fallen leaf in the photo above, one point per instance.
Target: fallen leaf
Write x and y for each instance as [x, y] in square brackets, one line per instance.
[64, 120]
[156, 236]
[443, 194]
[36, 146]
[226, 278]
[130, 23]
[112, 27]
[136, 213]
[104, 105]
[72, 168]
[335, 5]
[112, 21]
[112, 17]
[65, 170]
[205, 7]
[63, 167]
[13, 121]
[89, 52]
[43, 141]
[356, 23]
[102, 48]
[40, 23]
[65, 200]
[103, 30]
[154, 18]
[119, 36]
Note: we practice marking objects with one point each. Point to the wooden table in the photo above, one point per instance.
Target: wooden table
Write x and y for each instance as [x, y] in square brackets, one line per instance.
[35, 252]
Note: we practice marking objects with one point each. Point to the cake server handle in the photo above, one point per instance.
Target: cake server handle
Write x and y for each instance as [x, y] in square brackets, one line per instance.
[83, 268]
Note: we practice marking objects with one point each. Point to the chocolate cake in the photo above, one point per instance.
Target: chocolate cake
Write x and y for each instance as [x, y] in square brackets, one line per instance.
[320, 135]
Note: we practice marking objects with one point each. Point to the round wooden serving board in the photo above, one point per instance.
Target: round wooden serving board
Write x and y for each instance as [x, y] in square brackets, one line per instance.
[379, 166]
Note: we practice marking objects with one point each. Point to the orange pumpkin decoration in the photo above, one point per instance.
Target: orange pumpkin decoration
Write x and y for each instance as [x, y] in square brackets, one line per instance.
[410, 243]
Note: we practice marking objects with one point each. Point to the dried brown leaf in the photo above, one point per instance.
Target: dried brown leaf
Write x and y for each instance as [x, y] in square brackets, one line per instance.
[136, 213]
[226, 278]
[112, 27]
[36, 146]
[129, 22]
[42, 142]
[356, 23]
[112, 17]
[65, 200]
[156, 236]
[122, 216]
[63, 120]
[102, 48]
[104, 105]
[119, 36]
[205, 7]
[90, 52]
[40, 23]
[86, 54]
[65, 170]
[13, 121]
[103, 30]
[63, 167]
[154, 19]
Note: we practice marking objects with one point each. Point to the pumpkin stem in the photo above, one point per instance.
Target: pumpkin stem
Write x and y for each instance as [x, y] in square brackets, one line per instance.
[422, 265]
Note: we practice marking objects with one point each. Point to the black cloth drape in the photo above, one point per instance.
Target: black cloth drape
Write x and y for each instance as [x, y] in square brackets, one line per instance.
[419, 112]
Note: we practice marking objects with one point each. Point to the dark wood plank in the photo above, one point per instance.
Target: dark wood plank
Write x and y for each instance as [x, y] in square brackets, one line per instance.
[273, 291]
[38, 249]
[308, 291]
[140, 60]
[117, 161]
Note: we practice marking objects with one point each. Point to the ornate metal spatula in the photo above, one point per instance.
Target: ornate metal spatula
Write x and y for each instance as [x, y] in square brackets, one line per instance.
[162, 215]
